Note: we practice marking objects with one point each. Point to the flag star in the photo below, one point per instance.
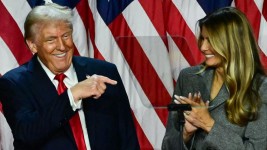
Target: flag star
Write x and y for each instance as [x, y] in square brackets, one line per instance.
[48, 1]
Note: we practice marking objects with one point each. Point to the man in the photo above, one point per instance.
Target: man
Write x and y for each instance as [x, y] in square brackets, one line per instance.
[39, 108]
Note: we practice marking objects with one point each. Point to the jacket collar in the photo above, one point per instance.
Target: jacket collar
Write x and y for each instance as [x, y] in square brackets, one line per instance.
[223, 94]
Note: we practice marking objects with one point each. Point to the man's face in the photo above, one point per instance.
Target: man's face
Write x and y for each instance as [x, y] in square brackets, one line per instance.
[54, 46]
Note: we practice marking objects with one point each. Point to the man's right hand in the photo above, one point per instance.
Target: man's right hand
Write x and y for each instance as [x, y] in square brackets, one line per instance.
[94, 86]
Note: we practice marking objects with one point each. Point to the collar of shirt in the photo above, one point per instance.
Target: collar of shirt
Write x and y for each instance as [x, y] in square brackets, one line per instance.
[71, 77]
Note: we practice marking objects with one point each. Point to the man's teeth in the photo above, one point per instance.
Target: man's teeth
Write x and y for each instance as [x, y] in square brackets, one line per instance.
[61, 55]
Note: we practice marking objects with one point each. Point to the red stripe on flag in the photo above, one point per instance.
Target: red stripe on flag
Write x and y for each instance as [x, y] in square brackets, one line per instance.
[164, 113]
[264, 9]
[83, 8]
[87, 17]
[153, 9]
[76, 52]
[264, 13]
[253, 14]
[138, 62]
[143, 141]
[181, 34]
[13, 37]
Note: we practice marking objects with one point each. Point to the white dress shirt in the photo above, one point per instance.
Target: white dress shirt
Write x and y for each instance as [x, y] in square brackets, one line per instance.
[70, 80]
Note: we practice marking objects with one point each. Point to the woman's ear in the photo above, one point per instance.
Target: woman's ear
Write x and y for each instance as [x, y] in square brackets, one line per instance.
[32, 46]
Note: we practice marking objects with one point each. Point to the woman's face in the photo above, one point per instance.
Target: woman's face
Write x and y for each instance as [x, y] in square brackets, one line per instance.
[213, 59]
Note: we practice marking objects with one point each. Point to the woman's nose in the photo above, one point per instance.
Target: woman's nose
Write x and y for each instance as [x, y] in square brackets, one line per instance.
[205, 45]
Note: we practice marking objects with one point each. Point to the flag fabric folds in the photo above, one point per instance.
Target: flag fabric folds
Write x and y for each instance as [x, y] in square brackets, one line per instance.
[6, 138]
[150, 41]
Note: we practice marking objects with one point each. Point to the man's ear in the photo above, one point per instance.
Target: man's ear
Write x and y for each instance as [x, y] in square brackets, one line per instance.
[32, 46]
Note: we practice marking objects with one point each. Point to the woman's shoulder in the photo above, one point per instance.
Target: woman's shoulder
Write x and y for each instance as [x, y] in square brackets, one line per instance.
[198, 70]
[263, 82]
[263, 89]
[192, 69]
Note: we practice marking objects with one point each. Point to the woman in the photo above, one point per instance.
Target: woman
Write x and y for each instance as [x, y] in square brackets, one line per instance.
[227, 92]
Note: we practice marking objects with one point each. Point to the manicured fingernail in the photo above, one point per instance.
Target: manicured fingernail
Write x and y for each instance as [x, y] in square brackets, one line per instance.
[190, 94]
[175, 96]
[181, 97]
[177, 102]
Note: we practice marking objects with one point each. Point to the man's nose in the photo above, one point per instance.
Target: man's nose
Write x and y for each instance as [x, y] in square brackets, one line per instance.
[61, 44]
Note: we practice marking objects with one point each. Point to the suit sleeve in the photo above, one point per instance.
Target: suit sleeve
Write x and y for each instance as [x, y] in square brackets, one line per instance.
[30, 121]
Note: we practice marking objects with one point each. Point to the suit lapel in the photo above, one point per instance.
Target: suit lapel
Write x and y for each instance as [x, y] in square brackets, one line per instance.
[39, 79]
[207, 77]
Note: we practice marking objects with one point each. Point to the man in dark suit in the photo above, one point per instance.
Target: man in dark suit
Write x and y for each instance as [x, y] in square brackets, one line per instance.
[39, 108]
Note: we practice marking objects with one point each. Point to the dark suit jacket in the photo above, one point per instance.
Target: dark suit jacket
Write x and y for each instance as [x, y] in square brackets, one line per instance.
[39, 117]
[223, 135]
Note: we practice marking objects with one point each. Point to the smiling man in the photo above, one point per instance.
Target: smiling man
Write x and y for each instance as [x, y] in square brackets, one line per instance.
[60, 101]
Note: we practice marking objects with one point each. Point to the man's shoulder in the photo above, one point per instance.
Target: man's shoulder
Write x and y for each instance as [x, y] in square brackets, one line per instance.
[87, 60]
[16, 72]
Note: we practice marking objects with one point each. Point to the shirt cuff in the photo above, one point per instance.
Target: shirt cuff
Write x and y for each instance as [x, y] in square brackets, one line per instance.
[74, 105]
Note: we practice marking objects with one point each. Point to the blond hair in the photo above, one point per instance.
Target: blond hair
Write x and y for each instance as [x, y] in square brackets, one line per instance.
[231, 36]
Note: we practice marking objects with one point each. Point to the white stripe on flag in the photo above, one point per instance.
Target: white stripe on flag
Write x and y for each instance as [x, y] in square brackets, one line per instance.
[6, 138]
[263, 28]
[7, 60]
[79, 34]
[259, 4]
[19, 11]
[150, 41]
[178, 62]
[186, 8]
[143, 113]
[91, 48]
[263, 36]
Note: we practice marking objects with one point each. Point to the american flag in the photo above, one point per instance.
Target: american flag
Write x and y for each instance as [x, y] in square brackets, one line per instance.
[150, 41]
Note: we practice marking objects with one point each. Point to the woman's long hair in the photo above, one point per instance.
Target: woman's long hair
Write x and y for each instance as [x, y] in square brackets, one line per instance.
[231, 36]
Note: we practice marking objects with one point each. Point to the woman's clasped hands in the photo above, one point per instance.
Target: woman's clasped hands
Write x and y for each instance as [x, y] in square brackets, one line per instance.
[198, 117]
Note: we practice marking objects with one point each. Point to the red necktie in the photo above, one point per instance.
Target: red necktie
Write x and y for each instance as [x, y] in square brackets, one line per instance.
[75, 122]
